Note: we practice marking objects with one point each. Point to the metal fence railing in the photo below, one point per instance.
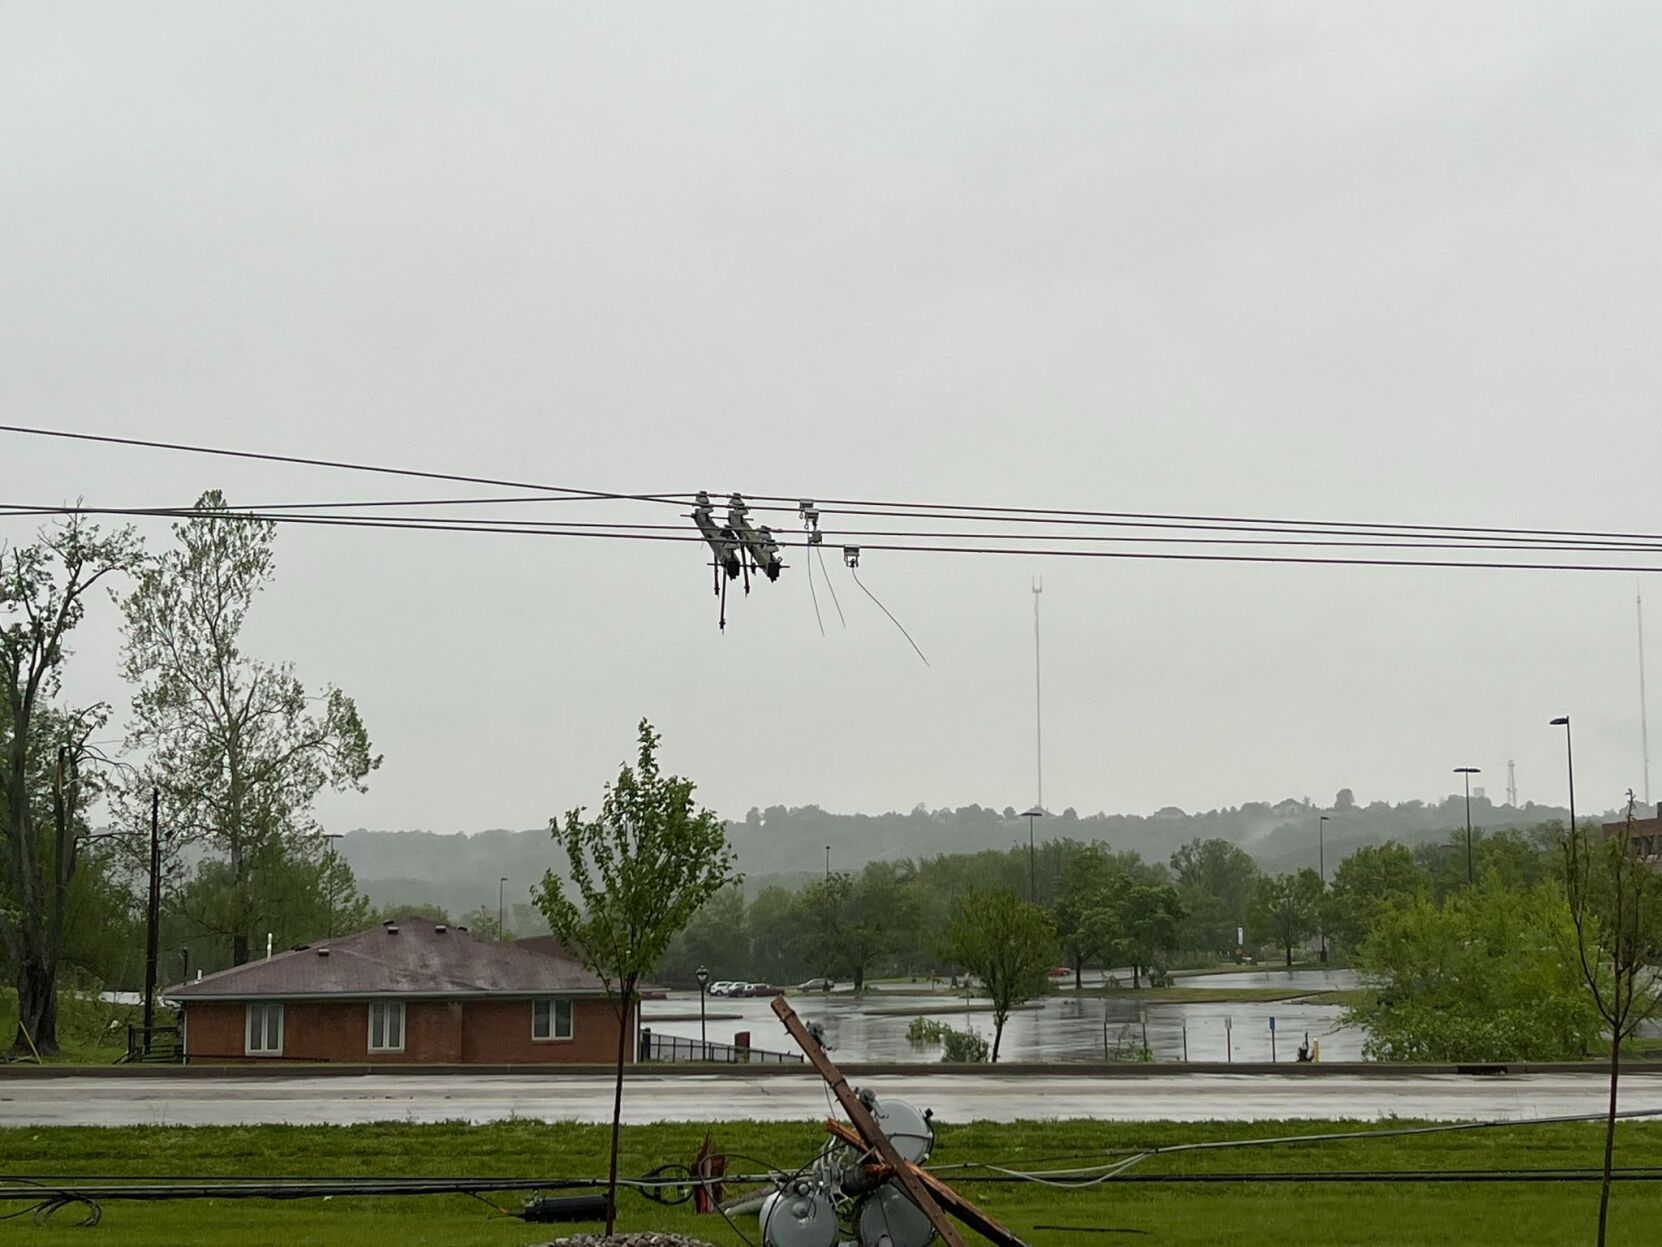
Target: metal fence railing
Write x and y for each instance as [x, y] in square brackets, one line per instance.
[656, 1047]
[157, 1045]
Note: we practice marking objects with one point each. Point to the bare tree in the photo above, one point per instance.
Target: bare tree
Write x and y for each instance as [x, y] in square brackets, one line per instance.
[1614, 912]
[642, 869]
[43, 592]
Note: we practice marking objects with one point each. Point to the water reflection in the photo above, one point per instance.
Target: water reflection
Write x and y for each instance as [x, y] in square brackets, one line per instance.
[1060, 1027]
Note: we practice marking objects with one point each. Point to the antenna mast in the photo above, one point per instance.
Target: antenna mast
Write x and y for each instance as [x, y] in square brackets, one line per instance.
[1644, 726]
[1038, 699]
[1512, 783]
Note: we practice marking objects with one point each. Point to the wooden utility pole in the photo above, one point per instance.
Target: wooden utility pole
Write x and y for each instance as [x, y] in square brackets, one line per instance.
[922, 1188]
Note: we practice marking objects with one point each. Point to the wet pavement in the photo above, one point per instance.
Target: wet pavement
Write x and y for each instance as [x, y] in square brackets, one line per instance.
[982, 1097]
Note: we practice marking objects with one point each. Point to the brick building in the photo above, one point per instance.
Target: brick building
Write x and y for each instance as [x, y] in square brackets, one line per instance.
[412, 991]
[1646, 841]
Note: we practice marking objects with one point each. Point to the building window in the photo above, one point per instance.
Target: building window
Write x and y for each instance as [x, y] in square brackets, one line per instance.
[386, 1026]
[551, 1019]
[265, 1028]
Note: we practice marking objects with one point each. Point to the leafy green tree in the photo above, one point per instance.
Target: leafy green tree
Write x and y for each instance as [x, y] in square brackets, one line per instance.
[1480, 977]
[781, 949]
[482, 922]
[1615, 903]
[43, 593]
[1287, 907]
[1151, 915]
[716, 938]
[234, 744]
[299, 893]
[1085, 898]
[864, 919]
[1365, 880]
[1215, 881]
[1007, 943]
[642, 868]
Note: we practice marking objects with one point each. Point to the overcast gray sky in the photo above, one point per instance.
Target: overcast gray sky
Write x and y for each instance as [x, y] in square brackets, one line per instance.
[1384, 262]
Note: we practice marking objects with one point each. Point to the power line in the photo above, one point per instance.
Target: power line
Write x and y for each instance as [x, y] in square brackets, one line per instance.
[344, 465]
[671, 533]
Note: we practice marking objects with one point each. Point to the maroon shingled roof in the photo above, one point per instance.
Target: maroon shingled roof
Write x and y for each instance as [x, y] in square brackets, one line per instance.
[417, 957]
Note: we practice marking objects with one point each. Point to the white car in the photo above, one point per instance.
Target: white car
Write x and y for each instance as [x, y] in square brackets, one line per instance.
[722, 987]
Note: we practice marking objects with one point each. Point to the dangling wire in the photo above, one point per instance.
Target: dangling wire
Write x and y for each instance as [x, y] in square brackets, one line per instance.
[854, 573]
[827, 577]
[814, 597]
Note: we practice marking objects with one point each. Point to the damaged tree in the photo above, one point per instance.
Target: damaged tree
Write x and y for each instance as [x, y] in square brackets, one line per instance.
[642, 868]
[43, 591]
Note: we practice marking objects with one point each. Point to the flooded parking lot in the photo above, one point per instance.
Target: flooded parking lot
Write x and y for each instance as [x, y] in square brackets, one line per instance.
[1064, 1026]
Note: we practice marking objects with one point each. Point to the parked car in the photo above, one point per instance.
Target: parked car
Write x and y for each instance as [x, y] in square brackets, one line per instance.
[763, 989]
[722, 987]
[1061, 972]
[816, 985]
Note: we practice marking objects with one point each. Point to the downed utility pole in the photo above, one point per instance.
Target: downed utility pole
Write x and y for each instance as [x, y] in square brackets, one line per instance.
[926, 1191]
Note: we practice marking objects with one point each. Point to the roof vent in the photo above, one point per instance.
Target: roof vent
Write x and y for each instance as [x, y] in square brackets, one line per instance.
[440, 929]
[389, 922]
[461, 928]
[323, 952]
[392, 928]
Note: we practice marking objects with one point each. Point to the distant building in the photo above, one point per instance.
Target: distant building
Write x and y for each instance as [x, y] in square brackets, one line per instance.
[1646, 840]
[412, 991]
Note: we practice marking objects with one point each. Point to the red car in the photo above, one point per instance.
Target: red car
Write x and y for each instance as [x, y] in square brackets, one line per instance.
[763, 989]
[1061, 972]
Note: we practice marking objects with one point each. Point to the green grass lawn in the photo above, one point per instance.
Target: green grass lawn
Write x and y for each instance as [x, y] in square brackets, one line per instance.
[1260, 1213]
[90, 1032]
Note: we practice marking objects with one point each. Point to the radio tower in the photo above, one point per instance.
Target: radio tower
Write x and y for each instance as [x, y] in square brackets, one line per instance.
[1512, 783]
[1038, 701]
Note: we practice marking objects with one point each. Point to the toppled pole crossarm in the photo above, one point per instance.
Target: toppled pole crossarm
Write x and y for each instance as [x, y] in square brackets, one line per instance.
[870, 1132]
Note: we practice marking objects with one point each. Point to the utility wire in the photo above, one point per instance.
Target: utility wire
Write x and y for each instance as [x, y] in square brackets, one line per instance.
[306, 461]
[928, 543]
[886, 611]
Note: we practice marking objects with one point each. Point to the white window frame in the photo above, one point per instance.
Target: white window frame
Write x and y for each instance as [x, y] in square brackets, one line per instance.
[386, 1007]
[255, 1045]
[553, 1003]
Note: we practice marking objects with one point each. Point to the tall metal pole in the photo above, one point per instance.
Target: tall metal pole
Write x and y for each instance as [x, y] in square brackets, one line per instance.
[828, 863]
[1032, 868]
[1563, 721]
[152, 926]
[1468, 778]
[1644, 723]
[1038, 700]
[501, 888]
[1321, 869]
[1466, 772]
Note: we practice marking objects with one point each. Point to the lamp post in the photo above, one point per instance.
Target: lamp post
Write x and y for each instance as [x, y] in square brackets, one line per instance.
[703, 977]
[1467, 772]
[1032, 867]
[501, 890]
[1321, 869]
[1563, 721]
[828, 863]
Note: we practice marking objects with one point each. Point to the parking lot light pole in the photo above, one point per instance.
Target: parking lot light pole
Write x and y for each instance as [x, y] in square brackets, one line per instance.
[1321, 868]
[1563, 721]
[1032, 867]
[1466, 772]
[703, 1039]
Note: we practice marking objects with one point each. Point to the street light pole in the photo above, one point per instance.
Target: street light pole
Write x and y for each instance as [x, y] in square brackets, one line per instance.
[828, 863]
[1563, 721]
[1032, 862]
[1467, 772]
[501, 890]
[1321, 869]
[703, 977]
